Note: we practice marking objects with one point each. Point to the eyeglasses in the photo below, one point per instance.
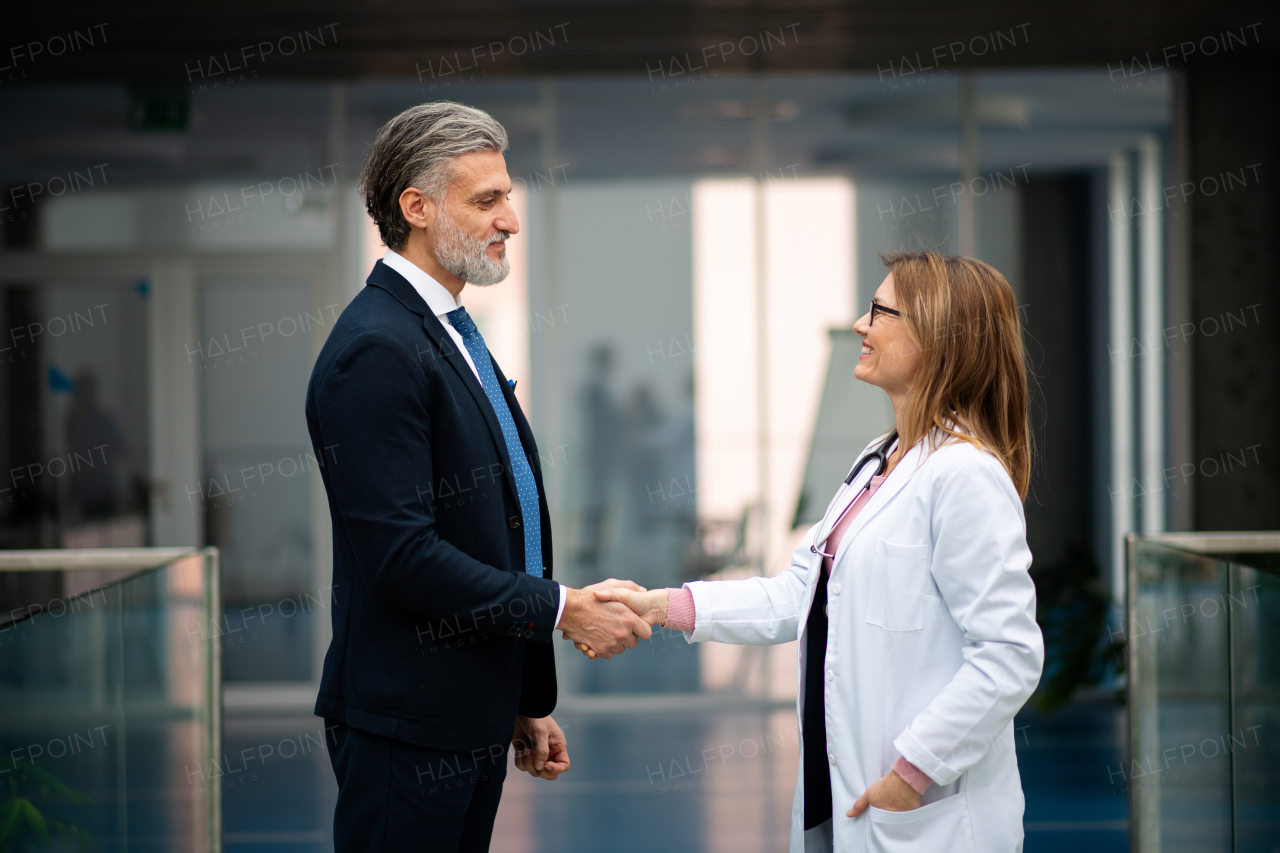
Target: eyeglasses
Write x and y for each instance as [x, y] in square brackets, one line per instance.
[877, 308]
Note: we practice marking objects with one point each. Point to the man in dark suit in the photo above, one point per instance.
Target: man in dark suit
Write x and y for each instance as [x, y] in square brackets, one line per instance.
[444, 606]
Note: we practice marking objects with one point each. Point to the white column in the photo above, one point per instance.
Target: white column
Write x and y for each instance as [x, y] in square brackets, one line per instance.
[968, 164]
[550, 416]
[173, 332]
[1151, 323]
[760, 110]
[1119, 351]
[1179, 405]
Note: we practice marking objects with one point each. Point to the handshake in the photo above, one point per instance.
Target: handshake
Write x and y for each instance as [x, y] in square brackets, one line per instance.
[606, 618]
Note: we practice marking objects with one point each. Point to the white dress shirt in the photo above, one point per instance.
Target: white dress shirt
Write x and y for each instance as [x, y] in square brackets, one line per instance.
[441, 302]
[438, 299]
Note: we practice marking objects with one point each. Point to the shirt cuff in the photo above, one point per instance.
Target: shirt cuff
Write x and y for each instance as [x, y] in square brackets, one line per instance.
[912, 775]
[681, 613]
[564, 596]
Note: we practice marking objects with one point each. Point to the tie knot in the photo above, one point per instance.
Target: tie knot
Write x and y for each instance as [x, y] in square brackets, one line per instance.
[461, 320]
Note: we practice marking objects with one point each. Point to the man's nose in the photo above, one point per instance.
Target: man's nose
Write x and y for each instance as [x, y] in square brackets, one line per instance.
[506, 220]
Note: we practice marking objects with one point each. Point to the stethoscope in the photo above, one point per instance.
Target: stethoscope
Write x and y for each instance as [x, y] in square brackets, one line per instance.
[881, 457]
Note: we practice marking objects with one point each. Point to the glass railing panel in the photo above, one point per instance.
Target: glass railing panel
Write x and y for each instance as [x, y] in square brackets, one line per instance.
[1255, 686]
[110, 716]
[1179, 767]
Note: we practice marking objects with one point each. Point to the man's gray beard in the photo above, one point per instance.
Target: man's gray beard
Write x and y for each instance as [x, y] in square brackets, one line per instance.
[466, 257]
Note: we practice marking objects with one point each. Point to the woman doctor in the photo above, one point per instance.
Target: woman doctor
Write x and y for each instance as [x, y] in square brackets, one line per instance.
[911, 600]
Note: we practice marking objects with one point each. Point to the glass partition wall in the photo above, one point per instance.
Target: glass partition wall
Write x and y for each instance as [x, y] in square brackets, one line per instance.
[74, 430]
[110, 701]
[1204, 692]
[687, 248]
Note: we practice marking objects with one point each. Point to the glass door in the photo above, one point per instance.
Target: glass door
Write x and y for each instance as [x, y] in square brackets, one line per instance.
[74, 428]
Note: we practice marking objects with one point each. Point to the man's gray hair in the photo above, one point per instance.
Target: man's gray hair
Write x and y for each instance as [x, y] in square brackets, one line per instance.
[417, 149]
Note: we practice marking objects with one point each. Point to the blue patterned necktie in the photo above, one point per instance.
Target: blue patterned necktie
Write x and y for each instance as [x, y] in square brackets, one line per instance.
[526, 487]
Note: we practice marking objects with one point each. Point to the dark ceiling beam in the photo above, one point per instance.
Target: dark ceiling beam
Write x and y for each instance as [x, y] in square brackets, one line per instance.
[165, 42]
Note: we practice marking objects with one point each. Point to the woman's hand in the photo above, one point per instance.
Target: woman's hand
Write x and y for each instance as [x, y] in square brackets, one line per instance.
[649, 605]
[890, 792]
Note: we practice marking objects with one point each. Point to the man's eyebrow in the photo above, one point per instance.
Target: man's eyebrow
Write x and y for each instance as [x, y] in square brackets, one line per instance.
[479, 194]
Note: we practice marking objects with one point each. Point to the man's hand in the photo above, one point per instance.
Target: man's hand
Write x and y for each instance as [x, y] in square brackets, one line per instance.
[890, 792]
[649, 605]
[539, 747]
[606, 628]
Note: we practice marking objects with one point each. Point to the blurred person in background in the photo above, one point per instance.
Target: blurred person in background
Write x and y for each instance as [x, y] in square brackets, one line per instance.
[601, 427]
[911, 599]
[94, 432]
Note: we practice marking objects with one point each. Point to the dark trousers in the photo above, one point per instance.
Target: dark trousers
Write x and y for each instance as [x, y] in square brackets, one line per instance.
[395, 796]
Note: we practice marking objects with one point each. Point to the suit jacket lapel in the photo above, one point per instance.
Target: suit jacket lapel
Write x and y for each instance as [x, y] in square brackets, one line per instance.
[443, 347]
[446, 348]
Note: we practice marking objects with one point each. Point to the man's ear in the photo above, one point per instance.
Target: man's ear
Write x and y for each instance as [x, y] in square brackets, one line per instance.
[417, 208]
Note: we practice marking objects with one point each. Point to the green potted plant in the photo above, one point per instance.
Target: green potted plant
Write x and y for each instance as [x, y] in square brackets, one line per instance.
[23, 825]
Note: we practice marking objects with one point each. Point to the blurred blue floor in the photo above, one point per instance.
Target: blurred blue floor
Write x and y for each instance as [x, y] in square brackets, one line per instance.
[678, 782]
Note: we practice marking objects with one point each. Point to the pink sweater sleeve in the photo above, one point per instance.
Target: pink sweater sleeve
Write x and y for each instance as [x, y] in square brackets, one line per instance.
[681, 614]
[912, 775]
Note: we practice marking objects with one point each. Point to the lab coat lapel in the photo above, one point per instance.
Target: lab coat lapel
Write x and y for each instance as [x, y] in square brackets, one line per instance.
[888, 490]
[842, 499]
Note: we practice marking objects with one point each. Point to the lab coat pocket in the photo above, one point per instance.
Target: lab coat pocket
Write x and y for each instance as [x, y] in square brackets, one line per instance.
[896, 597]
[943, 825]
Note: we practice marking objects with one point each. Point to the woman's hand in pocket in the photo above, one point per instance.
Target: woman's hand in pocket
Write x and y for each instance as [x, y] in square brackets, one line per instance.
[890, 792]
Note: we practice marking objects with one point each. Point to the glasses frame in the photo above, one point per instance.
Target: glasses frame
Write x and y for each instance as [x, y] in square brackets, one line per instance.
[877, 308]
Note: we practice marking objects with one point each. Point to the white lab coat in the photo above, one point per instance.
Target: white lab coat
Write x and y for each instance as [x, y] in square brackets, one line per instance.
[932, 648]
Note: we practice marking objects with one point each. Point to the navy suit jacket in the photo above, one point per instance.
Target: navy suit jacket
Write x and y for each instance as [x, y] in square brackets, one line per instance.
[439, 636]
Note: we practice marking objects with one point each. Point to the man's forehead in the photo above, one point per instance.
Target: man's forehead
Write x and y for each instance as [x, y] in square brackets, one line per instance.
[481, 173]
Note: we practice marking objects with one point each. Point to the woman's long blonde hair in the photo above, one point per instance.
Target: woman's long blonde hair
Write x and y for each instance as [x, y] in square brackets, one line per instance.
[972, 382]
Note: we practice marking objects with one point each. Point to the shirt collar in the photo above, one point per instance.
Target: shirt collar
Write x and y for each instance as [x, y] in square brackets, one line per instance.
[438, 299]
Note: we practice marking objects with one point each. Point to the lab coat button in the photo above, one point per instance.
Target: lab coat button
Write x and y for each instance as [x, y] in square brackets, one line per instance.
[832, 756]
[831, 675]
[835, 589]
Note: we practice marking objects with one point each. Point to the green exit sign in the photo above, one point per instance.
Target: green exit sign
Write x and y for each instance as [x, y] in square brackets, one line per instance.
[159, 111]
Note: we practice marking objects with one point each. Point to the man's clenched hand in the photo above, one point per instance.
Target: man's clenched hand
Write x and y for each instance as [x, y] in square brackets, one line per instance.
[539, 747]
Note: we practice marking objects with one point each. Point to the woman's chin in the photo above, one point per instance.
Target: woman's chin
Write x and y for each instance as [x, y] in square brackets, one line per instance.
[864, 373]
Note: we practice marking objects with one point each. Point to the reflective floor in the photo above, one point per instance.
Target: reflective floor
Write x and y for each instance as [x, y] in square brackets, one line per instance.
[710, 781]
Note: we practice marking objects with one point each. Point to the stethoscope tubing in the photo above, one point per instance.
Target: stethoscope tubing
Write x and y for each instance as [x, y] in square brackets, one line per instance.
[881, 457]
